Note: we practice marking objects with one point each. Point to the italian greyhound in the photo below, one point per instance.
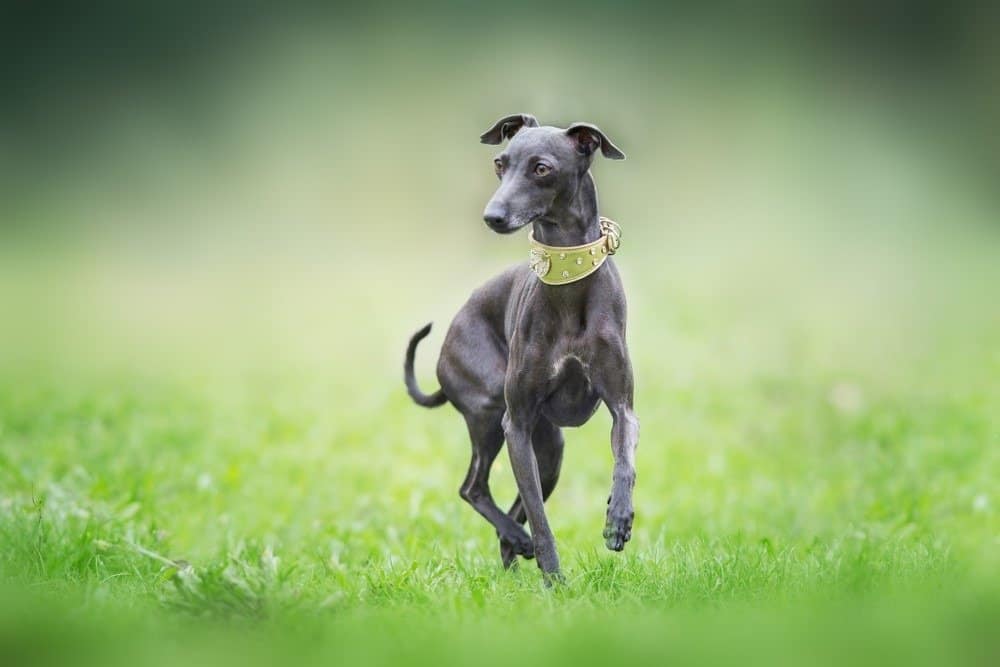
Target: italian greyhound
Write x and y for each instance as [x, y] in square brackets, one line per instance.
[541, 345]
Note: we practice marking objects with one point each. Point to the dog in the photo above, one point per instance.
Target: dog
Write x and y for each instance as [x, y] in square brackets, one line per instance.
[541, 345]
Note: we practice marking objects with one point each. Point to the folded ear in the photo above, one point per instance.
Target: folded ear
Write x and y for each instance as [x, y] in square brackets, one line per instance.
[589, 138]
[505, 128]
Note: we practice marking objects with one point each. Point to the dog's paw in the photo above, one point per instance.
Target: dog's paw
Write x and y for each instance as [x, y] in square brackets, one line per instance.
[516, 544]
[553, 579]
[618, 528]
[507, 555]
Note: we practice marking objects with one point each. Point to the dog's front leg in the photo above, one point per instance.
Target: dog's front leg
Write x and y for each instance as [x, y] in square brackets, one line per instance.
[624, 439]
[615, 387]
[517, 428]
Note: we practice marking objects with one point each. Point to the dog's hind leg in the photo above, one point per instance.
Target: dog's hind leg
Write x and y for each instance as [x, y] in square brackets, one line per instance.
[547, 441]
[487, 439]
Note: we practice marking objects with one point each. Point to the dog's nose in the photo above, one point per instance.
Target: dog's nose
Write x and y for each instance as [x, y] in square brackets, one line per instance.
[493, 220]
[495, 216]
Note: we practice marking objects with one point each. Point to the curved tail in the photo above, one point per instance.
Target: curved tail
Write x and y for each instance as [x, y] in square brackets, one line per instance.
[419, 397]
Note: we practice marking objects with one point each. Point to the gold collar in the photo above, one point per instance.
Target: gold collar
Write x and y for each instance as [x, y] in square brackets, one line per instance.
[556, 265]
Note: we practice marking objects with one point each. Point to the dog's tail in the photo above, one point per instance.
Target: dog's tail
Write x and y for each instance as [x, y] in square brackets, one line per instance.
[419, 397]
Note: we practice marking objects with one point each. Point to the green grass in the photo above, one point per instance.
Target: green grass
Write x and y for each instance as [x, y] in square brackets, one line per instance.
[810, 488]
[206, 452]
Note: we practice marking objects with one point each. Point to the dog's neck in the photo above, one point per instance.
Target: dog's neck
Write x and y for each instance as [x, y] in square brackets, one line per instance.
[573, 219]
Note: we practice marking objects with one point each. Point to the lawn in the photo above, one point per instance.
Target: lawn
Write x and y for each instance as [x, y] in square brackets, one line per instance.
[817, 471]
[207, 453]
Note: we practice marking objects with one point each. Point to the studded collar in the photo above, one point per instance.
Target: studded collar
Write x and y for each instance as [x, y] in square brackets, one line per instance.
[561, 265]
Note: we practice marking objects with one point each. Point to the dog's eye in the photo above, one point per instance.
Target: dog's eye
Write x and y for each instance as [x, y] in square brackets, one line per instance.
[498, 166]
[542, 169]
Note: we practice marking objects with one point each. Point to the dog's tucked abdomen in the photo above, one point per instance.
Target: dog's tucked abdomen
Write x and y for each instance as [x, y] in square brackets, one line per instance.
[573, 399]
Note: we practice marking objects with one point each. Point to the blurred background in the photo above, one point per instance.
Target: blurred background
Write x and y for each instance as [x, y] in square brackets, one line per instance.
[244, 182]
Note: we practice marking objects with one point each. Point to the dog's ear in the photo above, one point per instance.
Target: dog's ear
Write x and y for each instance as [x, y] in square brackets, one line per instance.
[589, 138]
[505, 128]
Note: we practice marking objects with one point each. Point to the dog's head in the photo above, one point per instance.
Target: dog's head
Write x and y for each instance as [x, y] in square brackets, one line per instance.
[540, 169]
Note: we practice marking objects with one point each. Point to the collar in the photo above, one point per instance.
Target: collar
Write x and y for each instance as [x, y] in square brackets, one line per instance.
[561, 265]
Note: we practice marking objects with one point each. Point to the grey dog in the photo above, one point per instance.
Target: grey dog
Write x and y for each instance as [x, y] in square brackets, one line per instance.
[524, 358]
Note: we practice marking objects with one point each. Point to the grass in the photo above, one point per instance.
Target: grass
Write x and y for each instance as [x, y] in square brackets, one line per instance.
[794, 504]
[206, 452]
